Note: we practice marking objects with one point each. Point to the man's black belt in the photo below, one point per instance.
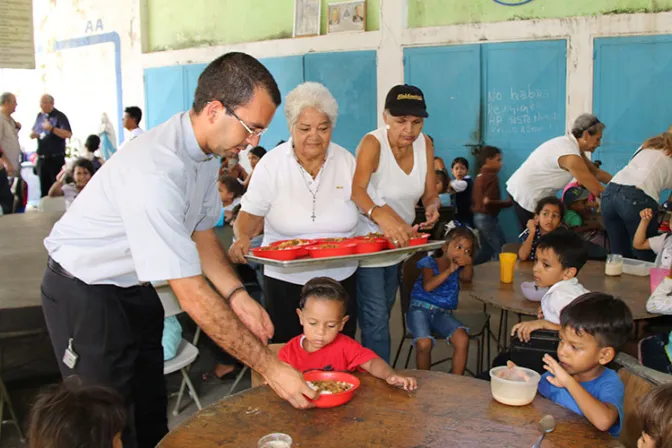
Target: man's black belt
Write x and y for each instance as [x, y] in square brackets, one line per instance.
[60, 270]
[57, 268]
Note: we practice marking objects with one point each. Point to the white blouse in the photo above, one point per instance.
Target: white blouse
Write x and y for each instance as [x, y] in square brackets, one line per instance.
[282, 192]
[650, 170]
[541, 175]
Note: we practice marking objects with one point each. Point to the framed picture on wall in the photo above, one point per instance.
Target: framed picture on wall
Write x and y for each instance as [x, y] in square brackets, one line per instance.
[347, 16]
[307, 18]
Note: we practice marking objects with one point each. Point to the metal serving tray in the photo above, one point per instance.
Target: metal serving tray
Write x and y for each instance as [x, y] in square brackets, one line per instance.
[376, 257]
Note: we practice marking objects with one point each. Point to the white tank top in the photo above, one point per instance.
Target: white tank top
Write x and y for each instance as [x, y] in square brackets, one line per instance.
[390, 185]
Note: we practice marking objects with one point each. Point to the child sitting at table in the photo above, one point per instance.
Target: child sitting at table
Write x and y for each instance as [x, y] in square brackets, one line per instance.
[547, 217]
[76, 416]
[655, 351]
[321, 312]
[560, 256]
[230, 192]
[655, 415]
[661, 245]
[594, 328]
[435, 295]
[442, 184]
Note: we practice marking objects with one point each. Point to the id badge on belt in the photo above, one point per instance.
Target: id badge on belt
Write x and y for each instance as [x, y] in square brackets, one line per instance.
[70, 357]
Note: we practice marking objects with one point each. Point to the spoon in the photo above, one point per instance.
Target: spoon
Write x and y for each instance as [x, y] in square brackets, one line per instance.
[546, 425]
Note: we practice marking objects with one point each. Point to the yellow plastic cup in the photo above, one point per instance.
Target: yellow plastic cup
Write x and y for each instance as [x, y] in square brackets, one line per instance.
[507, 265]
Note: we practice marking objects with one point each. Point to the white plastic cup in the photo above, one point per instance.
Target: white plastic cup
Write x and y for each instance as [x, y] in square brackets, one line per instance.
[275, 440]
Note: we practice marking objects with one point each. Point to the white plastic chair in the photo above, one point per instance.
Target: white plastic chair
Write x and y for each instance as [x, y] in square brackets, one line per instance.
[48, 204]
[186, 353]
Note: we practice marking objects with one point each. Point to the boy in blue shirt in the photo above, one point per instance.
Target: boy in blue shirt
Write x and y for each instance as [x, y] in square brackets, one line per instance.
[593, 328]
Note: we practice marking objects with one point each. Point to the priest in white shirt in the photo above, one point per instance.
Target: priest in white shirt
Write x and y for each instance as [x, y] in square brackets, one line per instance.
[148, 216]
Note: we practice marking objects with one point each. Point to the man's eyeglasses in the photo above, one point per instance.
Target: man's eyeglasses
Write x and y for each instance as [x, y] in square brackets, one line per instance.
[252, 133]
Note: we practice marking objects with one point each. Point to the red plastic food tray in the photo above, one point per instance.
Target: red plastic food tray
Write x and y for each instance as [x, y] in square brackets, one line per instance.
[318, 251]
[276, 254]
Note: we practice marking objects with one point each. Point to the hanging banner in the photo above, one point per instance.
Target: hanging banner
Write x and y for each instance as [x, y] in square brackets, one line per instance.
[16, 34]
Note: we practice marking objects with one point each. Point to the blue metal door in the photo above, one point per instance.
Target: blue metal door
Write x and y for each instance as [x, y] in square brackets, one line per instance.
[164, 94]
[523, 103]
[191, 74]
[450, 78]
[288, 73]
[351, 78]
[509, 95]
[632, 94]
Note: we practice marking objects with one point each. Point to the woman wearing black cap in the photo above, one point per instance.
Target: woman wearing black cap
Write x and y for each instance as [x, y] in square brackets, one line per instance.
[254, 156]
[395, 169]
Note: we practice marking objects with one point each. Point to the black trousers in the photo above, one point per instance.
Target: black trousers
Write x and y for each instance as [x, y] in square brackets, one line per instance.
[47, 169]
[6, 196]
[282, 300]
[117, 334]
[522, 215]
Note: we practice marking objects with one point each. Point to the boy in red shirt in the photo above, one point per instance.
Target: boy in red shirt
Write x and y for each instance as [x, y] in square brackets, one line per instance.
[322, 346]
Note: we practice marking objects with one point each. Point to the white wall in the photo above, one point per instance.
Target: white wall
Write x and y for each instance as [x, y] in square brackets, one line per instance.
[82, 80]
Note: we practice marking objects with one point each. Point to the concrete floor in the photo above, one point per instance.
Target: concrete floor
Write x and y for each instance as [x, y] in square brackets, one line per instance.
[23, 392]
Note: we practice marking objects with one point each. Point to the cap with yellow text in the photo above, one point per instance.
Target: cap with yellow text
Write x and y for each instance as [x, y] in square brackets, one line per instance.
[404, 100]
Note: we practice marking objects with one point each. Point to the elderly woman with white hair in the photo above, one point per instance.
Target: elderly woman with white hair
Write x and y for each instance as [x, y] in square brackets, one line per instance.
[301, 189]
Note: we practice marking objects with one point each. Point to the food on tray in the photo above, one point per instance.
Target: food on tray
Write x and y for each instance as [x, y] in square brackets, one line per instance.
[327, 246]
[373, 235]
[332, 240]
[291, 243]
[279, 247]
[330, 386]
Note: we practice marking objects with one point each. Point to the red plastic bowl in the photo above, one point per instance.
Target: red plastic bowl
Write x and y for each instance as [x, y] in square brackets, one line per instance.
[369, 246]
[333, 400]
[340, 251]
[302, 252]
[422, 239]
[416, 241]
[334, 240]
[276, 254]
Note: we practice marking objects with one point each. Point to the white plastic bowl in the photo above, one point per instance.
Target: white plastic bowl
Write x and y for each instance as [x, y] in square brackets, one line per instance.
[514, 393]
[531, 292]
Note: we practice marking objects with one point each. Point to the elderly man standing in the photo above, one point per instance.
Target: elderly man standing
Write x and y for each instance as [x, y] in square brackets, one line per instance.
[10, 165]
[149, 216]
[51, 128]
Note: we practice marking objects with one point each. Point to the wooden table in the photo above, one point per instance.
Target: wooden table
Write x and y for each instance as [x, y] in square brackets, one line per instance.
[487, 288]
[25, 258]
[446, 411]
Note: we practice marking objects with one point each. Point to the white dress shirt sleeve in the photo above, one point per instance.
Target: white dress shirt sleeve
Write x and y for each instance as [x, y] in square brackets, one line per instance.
[211, 210]
[160, 244]
[260, 192]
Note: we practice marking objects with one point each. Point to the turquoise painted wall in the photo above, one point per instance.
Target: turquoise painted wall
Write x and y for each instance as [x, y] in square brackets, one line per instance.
[422, 13]
[173, 25]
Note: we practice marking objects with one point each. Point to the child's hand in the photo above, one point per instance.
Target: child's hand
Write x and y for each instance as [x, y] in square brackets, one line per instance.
[407, 382]
[525, 329]
[540, 313]
[464, 260]
[532, 226]
[646, 214]
[560, 376]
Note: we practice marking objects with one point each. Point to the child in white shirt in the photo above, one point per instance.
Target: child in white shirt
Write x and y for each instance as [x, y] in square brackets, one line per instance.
[661, 245]
[560, 256]
[655, 352]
